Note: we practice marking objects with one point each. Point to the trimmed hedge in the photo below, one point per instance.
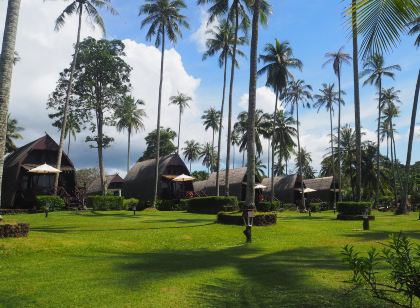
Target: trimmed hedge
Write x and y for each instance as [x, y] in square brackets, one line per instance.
[15, 230]
[210, 205]
[235, 218]
[353, 208]
[353, 217]
[18, 211]
[129, 203]
[318, 206]
[170, 205]
[268, 206]
[106, 203]
[289, 206]
[53, 202]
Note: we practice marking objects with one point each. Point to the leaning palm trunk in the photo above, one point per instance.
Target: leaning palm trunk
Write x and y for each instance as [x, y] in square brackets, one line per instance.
[219, 141]
[68, 144]
[302, 201]
[273, 144]
[179, 129]
[357, 103]
[6, 69]
[232, 77]
[128, 148]
[393, 160]
[333, 162]
[250, 188]
[340, 197]
[404, 206]
[378, 144]
[66, 102]
[155, 192]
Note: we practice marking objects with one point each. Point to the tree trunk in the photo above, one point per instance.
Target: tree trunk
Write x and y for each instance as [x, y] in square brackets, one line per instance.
[179, 129]
[100, 151]
[273, 144]
[232, 77]
[286, 166]
[302, 201]
[250, 188]
[378, 140]
[404, 202]
[219, 141]
[233, 160]
[155, 192]
[128, 149]
[68, 145]
[333, 163]
[66, 102]
[393, 159]
[340, 197]
[6, 69]
[268, 156]
[212, 152]
[357, 103]
[243, 159]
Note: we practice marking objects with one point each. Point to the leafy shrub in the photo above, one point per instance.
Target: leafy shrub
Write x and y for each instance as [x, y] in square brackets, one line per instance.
[53, 202]
[386, 200]
[129, 203]
[106, 203]
[268, 206]
[315, 207]
[14, 230]
[235, 218]
[210, 205]
[353, 208]
[170, 205]
[288, 206]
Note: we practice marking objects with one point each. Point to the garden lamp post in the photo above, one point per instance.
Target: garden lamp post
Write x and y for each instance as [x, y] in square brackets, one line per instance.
[134, 209]
[248, 217]
[366, 219]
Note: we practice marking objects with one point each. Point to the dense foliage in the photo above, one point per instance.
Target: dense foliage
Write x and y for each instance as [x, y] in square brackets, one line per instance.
[105, 203]
[235, 218]
[52, 202]
[353, 208]
[210, 205]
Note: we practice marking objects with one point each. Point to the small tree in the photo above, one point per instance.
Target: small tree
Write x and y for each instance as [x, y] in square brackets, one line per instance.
[166, 146]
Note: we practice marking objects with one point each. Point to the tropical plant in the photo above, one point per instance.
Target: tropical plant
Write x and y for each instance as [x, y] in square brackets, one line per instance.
[222, 41]
[327, 98]
[165, 20]
[337, 59]
[129, 117]
[235, 142]
[191, 151]
[374, 69]
[13, 133]
[166, 146]
[6, 69]
[298, 93]
[181, 100]
[259, 168]
[211, 119]
[284, 134]
[207, 154]
[303, 167]
[278, 61]
[90, 7]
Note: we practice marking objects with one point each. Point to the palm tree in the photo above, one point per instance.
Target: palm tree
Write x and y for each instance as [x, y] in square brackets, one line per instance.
[72, 129]
[259, 168]
[181, 100]
[374, 69]
[284, 135]
[207, 154]
[129, 117]
[90, 7]
[235, 142]
[191, 151]
[165, 20]
[278, 61]
[13, 133]
[303, 163]
[222, 41]
[6, 68]
[327, 98]
[337, 59]
[298, 93]
[211, 119]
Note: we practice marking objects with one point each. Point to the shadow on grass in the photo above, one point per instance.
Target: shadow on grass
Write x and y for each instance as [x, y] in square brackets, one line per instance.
[283, 278]
[381, 235]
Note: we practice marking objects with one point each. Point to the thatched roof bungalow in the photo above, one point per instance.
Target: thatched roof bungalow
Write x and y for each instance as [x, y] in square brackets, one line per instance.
[325, 188]
[286, 188]
[20, 187]
[140, 180]
[113, 183]
[237, 183]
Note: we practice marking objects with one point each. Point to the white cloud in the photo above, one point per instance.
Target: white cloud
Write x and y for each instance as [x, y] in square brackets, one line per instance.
[200, 36]
[265, 100]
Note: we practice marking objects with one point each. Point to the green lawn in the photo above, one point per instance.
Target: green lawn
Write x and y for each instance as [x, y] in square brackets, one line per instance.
[176, 259]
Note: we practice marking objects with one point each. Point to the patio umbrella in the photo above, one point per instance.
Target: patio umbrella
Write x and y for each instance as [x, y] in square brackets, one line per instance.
[308, 190]
[260, 186]
[183, 178]
[45, 169]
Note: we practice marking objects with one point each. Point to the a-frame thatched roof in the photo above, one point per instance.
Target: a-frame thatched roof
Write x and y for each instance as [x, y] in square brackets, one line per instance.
[324, 188]
[110, 181]
[284, 187]
[140, 180]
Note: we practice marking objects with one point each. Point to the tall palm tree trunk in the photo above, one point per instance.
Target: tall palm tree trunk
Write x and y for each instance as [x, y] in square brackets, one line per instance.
[232, 77]
[179, 129]
[378, 140]
[128, 148]
[357, 103]
[219, 141]
[273, 145]
[333, 163]
[268, 156]
[68, 144]
[243, 158]
[393, 159]
[66, 102]
[212, 152]
[233, 159]
[6, 69]
[302, 201]
[100, 150]
[340, 197]
[286, 166]
[404, 206]
[250, 188]
[155, 192]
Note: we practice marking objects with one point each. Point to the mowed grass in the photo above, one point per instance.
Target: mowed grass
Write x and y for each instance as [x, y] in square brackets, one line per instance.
[177, 259]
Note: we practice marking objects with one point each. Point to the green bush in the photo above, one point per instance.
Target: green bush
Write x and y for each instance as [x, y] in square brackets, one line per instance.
[210, 205]
[235, 218]
[53, 202]
[385, 200]
[353, 208]
[129, 203]
[268, 206]
[288, 206]
[106, 203]
[170, 205]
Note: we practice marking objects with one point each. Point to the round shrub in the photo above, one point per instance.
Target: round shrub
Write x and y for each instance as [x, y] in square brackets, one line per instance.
[268, 206]
[129, 203]
[210, 205]
[235, 218]
[52, 202]
[353, 208]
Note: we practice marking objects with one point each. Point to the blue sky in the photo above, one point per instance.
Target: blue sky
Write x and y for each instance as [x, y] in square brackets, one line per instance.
[312, 28]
